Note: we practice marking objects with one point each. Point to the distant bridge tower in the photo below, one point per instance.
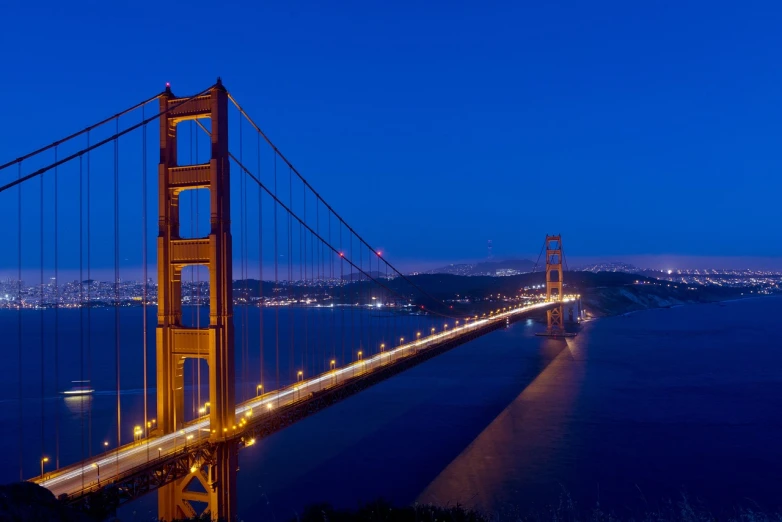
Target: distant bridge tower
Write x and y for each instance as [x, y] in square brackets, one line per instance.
[554, 283]
[215, 343]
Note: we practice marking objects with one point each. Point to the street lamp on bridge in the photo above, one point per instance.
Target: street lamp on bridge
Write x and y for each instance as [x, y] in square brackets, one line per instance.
[44, 460]
[97, 466]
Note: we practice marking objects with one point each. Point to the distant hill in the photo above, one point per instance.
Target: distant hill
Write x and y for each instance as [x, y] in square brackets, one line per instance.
[611, 267]
[487, 268]
[358, 276]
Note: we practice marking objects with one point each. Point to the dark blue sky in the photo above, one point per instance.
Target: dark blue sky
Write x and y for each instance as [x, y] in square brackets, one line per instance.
[633, 128]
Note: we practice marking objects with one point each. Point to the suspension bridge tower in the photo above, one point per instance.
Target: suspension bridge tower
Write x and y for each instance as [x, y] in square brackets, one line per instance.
[554, 284]
[213, 482]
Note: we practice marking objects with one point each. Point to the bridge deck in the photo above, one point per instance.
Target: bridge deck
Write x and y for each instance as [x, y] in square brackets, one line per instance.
[106, 468]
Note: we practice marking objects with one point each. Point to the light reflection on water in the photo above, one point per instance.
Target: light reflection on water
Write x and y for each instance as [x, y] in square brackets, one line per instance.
[520, 440]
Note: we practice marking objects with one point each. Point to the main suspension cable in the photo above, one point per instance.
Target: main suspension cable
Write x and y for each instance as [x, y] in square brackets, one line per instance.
[100, 143]
[19, 326]
[85, 130]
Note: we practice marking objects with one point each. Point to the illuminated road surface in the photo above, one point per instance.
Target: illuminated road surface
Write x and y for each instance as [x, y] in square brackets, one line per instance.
[73, 479]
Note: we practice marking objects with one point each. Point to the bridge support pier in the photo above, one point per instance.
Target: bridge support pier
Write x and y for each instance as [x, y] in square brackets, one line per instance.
[209, 489]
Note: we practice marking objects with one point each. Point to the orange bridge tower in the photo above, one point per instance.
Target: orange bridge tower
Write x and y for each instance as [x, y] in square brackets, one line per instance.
[554, 283]
[211, 480]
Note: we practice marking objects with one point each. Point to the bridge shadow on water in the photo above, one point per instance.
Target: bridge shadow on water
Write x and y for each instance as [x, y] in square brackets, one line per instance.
[395, 438]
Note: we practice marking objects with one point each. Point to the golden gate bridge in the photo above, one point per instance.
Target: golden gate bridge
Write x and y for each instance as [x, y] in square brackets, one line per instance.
[189, 455]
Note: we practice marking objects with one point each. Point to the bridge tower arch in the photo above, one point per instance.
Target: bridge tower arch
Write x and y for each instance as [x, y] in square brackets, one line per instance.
[176, 342]
[554, 283]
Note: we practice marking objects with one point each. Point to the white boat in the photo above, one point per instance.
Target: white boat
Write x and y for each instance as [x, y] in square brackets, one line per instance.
[79, 388]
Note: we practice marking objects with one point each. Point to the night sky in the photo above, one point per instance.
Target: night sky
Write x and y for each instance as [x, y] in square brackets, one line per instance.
[643, 131]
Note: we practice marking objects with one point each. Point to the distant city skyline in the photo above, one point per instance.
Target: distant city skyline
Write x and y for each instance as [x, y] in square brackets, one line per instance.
[653, 262]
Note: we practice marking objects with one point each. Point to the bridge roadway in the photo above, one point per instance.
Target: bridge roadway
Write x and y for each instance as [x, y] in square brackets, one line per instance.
[104, 468]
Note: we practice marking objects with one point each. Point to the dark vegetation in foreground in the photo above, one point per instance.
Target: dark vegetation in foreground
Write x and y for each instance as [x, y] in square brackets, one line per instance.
[683, 510]
[27, 501]
[564, 511]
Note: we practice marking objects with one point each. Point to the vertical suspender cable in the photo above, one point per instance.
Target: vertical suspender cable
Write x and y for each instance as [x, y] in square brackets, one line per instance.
[330, 288]
[42, 331]
[342, 293]
[144, 266]
[260, 265]
[290, 306]
[303, 277]
[19, 323]
[276, 296]
[116, 287]
[89, 304]
[81, 304]
[243, 287]
[316, 267]
[198, 290]
[245, 271]
[353, 346]
[56, 322]
[193, 197]
[361, 294]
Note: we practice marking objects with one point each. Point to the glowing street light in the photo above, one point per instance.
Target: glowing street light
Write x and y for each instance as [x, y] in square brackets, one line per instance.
[159, 452]
[105, 444]
[401, 340]
[96, 466]
[258, 389]
[382, 347]
[137, 432]
[359, 354]
[300, 376]
[432, 331]
[44, 460]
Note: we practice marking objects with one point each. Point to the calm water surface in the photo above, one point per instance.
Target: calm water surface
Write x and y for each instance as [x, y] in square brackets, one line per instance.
[636, 409]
